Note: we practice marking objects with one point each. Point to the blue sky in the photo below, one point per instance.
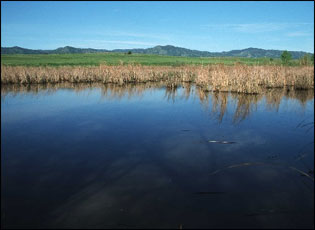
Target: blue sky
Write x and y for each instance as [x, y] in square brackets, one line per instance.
[209, 26]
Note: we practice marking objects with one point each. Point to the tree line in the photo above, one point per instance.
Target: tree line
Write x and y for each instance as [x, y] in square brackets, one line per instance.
[305, 60]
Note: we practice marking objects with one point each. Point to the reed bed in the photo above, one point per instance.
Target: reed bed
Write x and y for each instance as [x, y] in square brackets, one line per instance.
[238, 78]
[253, 79]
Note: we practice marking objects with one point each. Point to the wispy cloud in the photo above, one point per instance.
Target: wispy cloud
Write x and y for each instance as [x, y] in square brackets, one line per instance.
[97, 31]
[299, 34]
[123, 42]
[255, 27]
[117, 33]
[100, 43]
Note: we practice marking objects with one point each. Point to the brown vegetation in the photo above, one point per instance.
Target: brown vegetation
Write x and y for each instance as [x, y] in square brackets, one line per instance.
[237, 78]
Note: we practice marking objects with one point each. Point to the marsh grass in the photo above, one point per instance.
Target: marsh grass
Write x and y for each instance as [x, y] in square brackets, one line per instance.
[238, 78]
[253, 79]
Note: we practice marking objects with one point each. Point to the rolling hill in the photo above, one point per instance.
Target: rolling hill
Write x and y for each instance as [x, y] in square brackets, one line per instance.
[160, 50]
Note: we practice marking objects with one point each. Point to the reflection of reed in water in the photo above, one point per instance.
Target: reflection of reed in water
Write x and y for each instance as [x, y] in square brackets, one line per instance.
[219, 103]
[114, 92]
[33, 89]
[171, 92]
[220, 100]
[245, 103]
[302, 96]
[187, 90]
[274, 96]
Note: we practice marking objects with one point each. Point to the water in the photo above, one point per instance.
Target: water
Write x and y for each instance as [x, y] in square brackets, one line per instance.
[90, 156]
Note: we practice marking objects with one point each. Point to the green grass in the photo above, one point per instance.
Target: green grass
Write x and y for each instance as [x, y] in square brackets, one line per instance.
[95, 59]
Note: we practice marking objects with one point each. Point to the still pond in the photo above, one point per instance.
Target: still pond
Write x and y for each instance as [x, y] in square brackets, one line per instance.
[147, 156]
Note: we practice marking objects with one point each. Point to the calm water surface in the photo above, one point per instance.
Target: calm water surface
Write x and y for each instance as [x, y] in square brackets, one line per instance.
[108, 156]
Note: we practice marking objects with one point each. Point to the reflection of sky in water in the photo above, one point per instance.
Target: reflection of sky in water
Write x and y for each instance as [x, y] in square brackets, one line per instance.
[108, 159]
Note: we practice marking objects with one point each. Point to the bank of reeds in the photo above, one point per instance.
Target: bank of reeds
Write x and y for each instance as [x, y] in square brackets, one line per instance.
[238, 78]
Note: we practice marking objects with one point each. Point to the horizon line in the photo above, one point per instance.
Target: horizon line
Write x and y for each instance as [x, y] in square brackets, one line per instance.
[154, 47]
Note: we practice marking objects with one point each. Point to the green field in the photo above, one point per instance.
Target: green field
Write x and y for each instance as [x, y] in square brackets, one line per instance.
[94, 59]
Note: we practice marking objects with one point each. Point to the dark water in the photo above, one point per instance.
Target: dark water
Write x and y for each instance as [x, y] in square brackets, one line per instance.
[140, 157]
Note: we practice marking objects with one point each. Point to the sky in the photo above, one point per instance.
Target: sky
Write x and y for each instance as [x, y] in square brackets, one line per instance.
[206, 26]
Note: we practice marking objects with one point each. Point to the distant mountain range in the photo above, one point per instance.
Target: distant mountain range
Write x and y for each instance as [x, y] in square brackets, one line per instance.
[160, 50]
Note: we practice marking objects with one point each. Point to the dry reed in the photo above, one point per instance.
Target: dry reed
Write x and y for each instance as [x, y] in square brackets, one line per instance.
[238, 78]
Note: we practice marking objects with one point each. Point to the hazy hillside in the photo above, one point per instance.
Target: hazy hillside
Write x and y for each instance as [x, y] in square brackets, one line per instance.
[160, 50]
[61, 50]
[19, 50]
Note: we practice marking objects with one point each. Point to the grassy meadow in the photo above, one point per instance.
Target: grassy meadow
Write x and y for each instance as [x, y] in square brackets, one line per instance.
[95, 59]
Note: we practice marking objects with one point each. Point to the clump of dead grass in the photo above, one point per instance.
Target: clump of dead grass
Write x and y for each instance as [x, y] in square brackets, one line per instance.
[238, 78]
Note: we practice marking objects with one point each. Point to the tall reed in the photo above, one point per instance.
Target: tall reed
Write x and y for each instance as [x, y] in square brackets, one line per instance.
[238, 78]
